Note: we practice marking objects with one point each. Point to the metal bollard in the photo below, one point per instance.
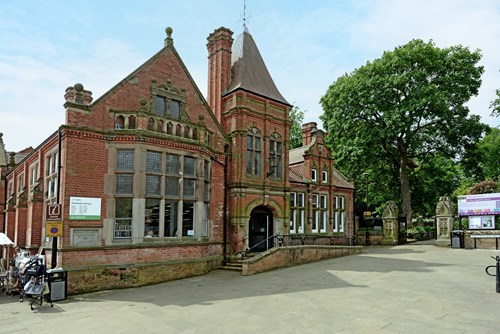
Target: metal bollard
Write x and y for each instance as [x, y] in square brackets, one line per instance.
[497, 272]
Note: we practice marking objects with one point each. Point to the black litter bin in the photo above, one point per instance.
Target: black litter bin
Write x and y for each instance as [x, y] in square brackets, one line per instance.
[58, 284]
[457, 239]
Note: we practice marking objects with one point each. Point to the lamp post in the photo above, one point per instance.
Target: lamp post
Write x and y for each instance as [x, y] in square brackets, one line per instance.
[273, 163]
[365, 174]
[367, 234]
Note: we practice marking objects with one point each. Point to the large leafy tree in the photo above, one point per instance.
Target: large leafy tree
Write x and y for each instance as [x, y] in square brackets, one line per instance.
[404, 108]
[436, 177]
[489, 151]
[495, 105]
[296, 118]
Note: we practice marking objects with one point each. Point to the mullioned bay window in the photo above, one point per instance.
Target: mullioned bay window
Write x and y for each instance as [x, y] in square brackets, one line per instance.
[172, 201]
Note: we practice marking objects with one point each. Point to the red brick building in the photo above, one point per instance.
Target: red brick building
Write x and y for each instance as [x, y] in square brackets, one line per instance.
[155, 183]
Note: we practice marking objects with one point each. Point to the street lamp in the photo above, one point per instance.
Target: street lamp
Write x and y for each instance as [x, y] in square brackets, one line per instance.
[365, 174]
[273, 163]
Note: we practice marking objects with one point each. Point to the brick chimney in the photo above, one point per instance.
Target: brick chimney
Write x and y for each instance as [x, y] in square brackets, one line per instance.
[78, 102]
[219, 67]
[307, 132]
[78, 95]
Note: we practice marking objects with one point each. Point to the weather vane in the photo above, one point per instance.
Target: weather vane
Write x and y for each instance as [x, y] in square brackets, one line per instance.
[244, 17]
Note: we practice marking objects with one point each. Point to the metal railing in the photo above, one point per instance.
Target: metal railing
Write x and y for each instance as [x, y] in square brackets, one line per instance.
[279, 240]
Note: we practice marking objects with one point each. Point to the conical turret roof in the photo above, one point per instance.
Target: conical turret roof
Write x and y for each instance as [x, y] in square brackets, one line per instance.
[248, 70]
[4, 159]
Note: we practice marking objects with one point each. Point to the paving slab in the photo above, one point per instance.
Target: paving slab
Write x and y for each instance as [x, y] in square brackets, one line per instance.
[413, 288]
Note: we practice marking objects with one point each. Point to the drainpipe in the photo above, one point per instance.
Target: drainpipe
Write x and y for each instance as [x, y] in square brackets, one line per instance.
[224, 205]
[4, 211]
[53, 262]
[226, 193]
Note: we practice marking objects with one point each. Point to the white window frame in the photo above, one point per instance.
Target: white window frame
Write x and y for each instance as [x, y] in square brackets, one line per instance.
[315, 213]
[325, 176]
[51, 175]
[323, 207]
[297, 213]
[314, 174]
[339, 214]
[20, 182]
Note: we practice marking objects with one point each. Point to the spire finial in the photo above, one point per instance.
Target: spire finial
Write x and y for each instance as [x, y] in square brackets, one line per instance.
[244, 17]
[169, 40]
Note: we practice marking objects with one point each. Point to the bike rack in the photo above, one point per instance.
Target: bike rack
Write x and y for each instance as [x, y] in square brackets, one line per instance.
[497, 274]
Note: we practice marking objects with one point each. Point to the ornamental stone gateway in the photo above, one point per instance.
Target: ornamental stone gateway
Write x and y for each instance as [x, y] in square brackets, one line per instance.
[391, 227]
[444, 221]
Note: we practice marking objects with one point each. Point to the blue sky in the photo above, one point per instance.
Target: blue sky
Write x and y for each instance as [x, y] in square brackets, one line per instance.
[47, 46]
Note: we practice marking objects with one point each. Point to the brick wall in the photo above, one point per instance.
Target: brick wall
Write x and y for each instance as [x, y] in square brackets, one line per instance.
[294, 255]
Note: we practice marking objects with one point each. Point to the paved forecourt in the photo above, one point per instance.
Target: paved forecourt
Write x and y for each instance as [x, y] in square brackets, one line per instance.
[415, 288]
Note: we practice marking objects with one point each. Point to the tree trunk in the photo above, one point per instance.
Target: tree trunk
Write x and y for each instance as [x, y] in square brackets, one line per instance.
[405, 191]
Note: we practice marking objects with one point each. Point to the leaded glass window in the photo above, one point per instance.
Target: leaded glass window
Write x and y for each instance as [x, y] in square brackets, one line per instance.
[125, 160]
[253, 155]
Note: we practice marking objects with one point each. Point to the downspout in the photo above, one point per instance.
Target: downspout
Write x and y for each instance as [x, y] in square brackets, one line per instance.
[226, 193]
[53, 262]
[4, 211]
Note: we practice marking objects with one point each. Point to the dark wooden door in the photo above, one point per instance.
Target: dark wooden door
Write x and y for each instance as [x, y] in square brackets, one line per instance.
[260, 230]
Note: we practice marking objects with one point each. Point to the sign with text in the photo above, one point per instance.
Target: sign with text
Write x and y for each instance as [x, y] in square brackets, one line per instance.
[84, 208]
[54, 229]
[479, 205]
[53, 212]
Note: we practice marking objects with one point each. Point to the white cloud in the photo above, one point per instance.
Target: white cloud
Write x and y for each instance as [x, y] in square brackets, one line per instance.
[306, 45]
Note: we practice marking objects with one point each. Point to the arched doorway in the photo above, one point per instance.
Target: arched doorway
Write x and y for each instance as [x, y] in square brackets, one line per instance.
[260, 229]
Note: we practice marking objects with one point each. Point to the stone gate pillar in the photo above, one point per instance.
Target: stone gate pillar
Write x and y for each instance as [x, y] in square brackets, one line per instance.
[390, 221]
[444, 221]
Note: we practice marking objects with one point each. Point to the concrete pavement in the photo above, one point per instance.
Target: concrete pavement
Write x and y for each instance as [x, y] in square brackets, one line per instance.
[415, 288]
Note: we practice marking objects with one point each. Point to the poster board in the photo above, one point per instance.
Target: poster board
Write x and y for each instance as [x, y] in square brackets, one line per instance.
[482, 222]
[479, 205]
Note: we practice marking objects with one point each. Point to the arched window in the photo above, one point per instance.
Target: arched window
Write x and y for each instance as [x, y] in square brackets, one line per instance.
[120, 123]
[170, 128]
[151, 124]
[160, 126]
[195, 134]
[186, 131]
[178, 130]
[131, 122]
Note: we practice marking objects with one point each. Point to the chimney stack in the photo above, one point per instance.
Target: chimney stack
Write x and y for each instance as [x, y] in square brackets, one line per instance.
[219, 47]
[307, 131]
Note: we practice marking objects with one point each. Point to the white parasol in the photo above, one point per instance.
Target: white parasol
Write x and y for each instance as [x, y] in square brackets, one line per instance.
[5, 241]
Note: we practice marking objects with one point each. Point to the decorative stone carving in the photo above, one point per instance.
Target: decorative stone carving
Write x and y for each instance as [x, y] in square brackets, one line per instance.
[390, 223]
[444, 221]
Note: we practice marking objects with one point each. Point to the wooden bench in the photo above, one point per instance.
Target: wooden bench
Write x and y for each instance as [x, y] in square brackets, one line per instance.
[485, 236]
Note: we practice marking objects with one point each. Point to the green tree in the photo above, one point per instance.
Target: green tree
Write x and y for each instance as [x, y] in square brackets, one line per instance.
[404, 108]
[438, 176]
[495, 105]
[296, 118]
[489, 151]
